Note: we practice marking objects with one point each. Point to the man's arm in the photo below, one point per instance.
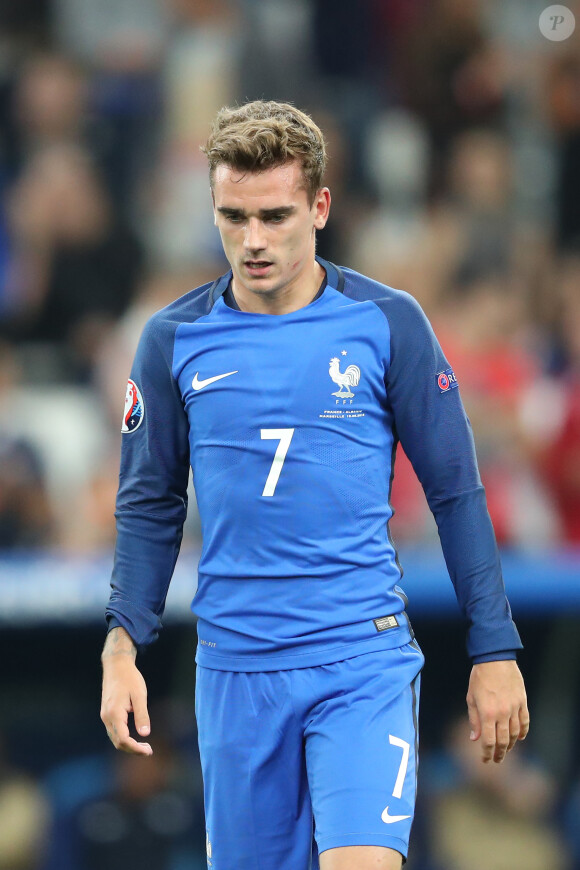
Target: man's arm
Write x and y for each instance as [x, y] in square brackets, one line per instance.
[435, 433]
[152, 496]
[151, 508]
[124, 692]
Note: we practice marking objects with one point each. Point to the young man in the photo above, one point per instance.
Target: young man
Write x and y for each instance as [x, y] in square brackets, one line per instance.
[287, 384]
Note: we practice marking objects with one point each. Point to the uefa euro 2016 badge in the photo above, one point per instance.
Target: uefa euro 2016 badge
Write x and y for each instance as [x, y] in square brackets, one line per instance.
[134, 408]
[446, 381]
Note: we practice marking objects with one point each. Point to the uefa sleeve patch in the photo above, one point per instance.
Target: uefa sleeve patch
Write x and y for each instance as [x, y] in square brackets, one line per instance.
[134, 408]
[446, 381]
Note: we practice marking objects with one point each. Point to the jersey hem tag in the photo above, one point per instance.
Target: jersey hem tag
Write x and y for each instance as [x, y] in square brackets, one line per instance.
[383, 623]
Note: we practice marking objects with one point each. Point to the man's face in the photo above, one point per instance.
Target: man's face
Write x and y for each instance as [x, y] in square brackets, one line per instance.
[267, 227]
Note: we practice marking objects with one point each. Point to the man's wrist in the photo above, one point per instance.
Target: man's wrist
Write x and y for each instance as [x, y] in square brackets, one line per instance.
[502, 656]
[118, 644]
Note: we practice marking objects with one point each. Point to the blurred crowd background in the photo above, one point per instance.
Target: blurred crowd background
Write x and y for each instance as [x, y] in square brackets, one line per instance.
[454, 136]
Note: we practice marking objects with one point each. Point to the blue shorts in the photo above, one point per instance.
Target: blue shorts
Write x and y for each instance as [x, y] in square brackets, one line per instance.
[298, 761]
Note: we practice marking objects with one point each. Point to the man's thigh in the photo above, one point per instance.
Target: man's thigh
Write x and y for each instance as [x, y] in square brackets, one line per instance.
[361, 858]
[361, 753]
[257, 804]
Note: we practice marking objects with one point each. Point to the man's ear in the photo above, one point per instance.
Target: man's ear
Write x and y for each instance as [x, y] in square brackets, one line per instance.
[322, 208]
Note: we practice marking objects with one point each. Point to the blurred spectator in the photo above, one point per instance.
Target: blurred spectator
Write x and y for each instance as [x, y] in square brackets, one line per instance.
[9, 150]
[44, 466]
[571, 826]
[112, 111]
[101, 33]
[450, 76]
[50, 103]
[24, 507]
[564, 97]
[126, 105]
[200, 73]
[345, 79]
[551, 411]
[472, 226]
[90, 516]
[42, 102]
[74, 269]
[492, 817]
[123, 811]
[481, 329]
[24, 819]
[333, 242]
[25, 515]
[390, 233]
[276, 59]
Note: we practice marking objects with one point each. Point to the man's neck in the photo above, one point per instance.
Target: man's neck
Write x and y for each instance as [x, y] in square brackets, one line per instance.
[287, 299]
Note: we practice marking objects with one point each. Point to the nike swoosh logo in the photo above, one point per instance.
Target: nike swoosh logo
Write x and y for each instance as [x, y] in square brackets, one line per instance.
[388, 820]
[199, 385]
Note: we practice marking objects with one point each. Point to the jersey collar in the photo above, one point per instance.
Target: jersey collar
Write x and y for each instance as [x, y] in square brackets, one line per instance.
[334, 279]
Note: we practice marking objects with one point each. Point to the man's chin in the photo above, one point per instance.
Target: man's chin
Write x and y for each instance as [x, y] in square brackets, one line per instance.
[264, 287]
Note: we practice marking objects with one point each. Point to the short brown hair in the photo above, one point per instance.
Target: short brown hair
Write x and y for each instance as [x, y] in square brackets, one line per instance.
[263, 134]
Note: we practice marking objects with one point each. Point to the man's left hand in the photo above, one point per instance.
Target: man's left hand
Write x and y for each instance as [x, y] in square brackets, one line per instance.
[498, 709]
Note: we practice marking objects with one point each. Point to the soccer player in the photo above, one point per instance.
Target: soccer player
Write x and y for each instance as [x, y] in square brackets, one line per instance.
[287, 384]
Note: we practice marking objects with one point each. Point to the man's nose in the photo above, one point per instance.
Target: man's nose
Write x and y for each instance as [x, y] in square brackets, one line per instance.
[255, 239]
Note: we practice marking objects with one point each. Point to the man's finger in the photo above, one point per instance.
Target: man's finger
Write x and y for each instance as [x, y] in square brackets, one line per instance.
[474, 720]
[119, 736]
[502, 740]
[141, 716]
[118, 731]
[488, 741]
[135, 747]
[514, 731]
[524, 722]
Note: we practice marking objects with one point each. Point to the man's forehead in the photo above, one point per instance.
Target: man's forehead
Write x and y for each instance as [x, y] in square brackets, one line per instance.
[283, 182]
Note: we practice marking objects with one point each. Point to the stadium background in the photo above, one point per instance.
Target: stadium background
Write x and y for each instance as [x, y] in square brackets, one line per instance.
[454, 135]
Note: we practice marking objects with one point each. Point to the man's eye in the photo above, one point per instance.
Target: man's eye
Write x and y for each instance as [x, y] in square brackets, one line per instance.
[234, 218]
[276, 218]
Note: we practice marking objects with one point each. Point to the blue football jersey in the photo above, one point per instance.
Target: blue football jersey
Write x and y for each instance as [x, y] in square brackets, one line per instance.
[290, 423]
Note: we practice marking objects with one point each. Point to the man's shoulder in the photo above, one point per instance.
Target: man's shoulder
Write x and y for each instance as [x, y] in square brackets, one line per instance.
[188, 308]
[361, 288]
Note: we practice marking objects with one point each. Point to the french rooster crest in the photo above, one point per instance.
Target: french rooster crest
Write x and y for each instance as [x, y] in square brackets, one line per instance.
[349, 378]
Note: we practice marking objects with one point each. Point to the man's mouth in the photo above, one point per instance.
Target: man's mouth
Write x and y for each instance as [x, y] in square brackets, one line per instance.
[257, 267]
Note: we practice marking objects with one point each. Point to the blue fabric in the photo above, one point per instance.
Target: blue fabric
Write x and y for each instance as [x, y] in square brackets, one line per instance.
[281, 747]
[297, 563]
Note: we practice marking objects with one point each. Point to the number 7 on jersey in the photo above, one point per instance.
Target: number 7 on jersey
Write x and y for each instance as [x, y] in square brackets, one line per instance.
[285, 437]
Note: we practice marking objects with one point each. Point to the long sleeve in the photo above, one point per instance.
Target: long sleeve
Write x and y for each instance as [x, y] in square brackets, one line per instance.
[435, 433]
[152, 496]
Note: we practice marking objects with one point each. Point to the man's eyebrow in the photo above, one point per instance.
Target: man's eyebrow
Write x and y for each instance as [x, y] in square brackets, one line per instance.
[224, 210]
[264, 213]
[273, 212]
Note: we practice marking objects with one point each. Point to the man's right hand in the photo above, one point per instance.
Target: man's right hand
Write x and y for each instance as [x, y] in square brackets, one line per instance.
[124, 692]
